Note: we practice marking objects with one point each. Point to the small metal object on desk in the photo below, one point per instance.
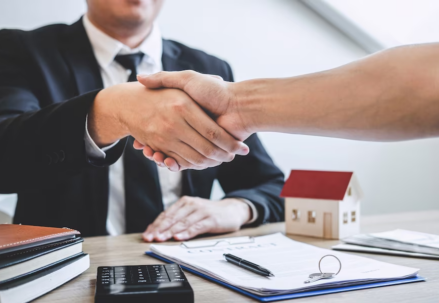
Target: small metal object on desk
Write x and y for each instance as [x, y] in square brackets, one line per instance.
[321, 275]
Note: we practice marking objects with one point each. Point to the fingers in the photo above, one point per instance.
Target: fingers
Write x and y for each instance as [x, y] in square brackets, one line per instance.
[172, 164]
[167, 79]
[148, 152]
[137, 145]
[185, 222]
[218, 136]
[192, 159]
[148, 235]
[159, 159]
[199, 228]
[182, 208]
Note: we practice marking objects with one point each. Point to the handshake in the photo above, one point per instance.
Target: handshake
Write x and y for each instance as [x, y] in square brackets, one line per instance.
[181, 120]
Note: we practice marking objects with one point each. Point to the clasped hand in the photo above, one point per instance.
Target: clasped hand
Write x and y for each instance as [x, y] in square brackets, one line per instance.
[211, 93]
[163, 120]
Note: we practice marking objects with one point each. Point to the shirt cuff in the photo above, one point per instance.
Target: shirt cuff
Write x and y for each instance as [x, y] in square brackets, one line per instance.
[254, 211]
[91, 148]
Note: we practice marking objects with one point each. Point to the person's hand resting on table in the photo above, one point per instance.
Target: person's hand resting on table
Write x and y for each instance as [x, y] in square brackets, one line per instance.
[192, 216]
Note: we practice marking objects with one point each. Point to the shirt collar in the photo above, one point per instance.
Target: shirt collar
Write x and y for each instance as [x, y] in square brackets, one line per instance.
[106, 47]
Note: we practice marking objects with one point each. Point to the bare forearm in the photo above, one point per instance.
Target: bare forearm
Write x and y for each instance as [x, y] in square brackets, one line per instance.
[392, 95]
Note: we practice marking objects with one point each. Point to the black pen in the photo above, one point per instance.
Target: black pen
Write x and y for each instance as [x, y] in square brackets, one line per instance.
[248, 265]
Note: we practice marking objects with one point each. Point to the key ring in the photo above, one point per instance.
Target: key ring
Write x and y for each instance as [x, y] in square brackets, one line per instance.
[330, 256]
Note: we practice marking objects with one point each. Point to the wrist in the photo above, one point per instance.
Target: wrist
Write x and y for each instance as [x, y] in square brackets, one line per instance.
[243, 210]
[244, 102]
[104, 123]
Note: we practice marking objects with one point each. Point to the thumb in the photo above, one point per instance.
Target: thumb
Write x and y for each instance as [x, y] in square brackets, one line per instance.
[167, 79]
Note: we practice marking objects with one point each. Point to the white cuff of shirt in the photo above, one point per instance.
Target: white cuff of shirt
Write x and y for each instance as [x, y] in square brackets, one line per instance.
[91, 148]
[254, 215]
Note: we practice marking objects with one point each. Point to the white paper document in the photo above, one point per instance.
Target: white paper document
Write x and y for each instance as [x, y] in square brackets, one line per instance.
[382, 251]
[290, 261]
[410, 237]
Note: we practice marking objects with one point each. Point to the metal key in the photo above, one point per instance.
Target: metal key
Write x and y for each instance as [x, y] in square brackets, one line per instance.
[319, 276]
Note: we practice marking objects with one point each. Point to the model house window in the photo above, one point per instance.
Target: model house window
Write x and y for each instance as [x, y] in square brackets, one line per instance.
[345, 218]
[353, 216]
[311, 216]
[295, 215]
[349, 191]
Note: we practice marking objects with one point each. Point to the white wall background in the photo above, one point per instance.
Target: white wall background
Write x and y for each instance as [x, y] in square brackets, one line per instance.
[278, 38]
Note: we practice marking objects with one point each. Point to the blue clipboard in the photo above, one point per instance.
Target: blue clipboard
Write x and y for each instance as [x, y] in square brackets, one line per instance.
[294, 295]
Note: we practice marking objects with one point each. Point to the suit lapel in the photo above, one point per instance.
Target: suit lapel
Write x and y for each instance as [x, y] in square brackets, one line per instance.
[80, 56]
[172, 61]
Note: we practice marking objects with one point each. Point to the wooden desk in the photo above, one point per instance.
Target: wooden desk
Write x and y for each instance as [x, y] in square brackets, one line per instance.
[129, 250]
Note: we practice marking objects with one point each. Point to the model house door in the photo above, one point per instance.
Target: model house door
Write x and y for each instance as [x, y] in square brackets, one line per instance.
[327, 225]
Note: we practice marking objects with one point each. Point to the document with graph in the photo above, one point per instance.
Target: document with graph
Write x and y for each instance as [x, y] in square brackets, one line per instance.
[291, 262]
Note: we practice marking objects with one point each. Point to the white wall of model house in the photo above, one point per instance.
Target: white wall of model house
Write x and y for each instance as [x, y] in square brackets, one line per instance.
[323, 218]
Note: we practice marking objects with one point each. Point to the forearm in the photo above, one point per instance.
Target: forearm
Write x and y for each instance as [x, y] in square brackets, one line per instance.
[392, 95]
[43, 147]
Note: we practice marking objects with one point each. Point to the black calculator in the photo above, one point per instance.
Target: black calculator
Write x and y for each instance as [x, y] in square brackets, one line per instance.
[143, 283]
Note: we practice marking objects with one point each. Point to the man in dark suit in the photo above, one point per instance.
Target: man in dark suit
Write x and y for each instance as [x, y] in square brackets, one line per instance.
[68, 122]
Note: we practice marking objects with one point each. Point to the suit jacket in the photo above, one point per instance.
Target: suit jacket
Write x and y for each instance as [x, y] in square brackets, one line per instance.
[49, 78]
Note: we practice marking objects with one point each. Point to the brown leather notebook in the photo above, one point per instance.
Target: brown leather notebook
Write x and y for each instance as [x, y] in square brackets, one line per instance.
[15, 237]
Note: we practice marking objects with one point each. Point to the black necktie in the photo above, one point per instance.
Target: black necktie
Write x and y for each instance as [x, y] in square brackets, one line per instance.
[143, 201]
[130, 62]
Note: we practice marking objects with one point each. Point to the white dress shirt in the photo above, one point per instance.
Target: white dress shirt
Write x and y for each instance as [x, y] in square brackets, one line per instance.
[106, 49]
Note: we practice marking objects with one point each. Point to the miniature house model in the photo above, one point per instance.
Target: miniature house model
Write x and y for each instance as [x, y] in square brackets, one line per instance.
[322, 204]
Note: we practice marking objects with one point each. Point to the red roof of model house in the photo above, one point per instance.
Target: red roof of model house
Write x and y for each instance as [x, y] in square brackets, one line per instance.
[328, 185]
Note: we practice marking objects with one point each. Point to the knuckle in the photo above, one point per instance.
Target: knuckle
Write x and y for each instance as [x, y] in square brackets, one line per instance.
[198, 226]
[184, 223]
[211, 152]
[235, 147]
[191, 202]
[230, 157]
[200, 160]
[189, 73]
[168, 127]
[180, 104]
[213, 134]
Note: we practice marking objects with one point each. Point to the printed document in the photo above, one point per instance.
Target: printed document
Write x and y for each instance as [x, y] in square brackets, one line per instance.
[409, 237]
[290, 261]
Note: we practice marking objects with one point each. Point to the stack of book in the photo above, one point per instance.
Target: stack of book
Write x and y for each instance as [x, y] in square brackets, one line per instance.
[35, 260]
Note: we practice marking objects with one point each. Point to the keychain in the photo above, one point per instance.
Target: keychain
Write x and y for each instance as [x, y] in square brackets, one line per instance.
[321, 275]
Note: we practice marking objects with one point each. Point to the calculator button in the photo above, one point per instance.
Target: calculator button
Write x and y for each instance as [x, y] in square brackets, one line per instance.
[157, 271]
[160, 280]
[176, 277]
[120, 269]
[119, 275]
[172, 266]
[106, 276]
